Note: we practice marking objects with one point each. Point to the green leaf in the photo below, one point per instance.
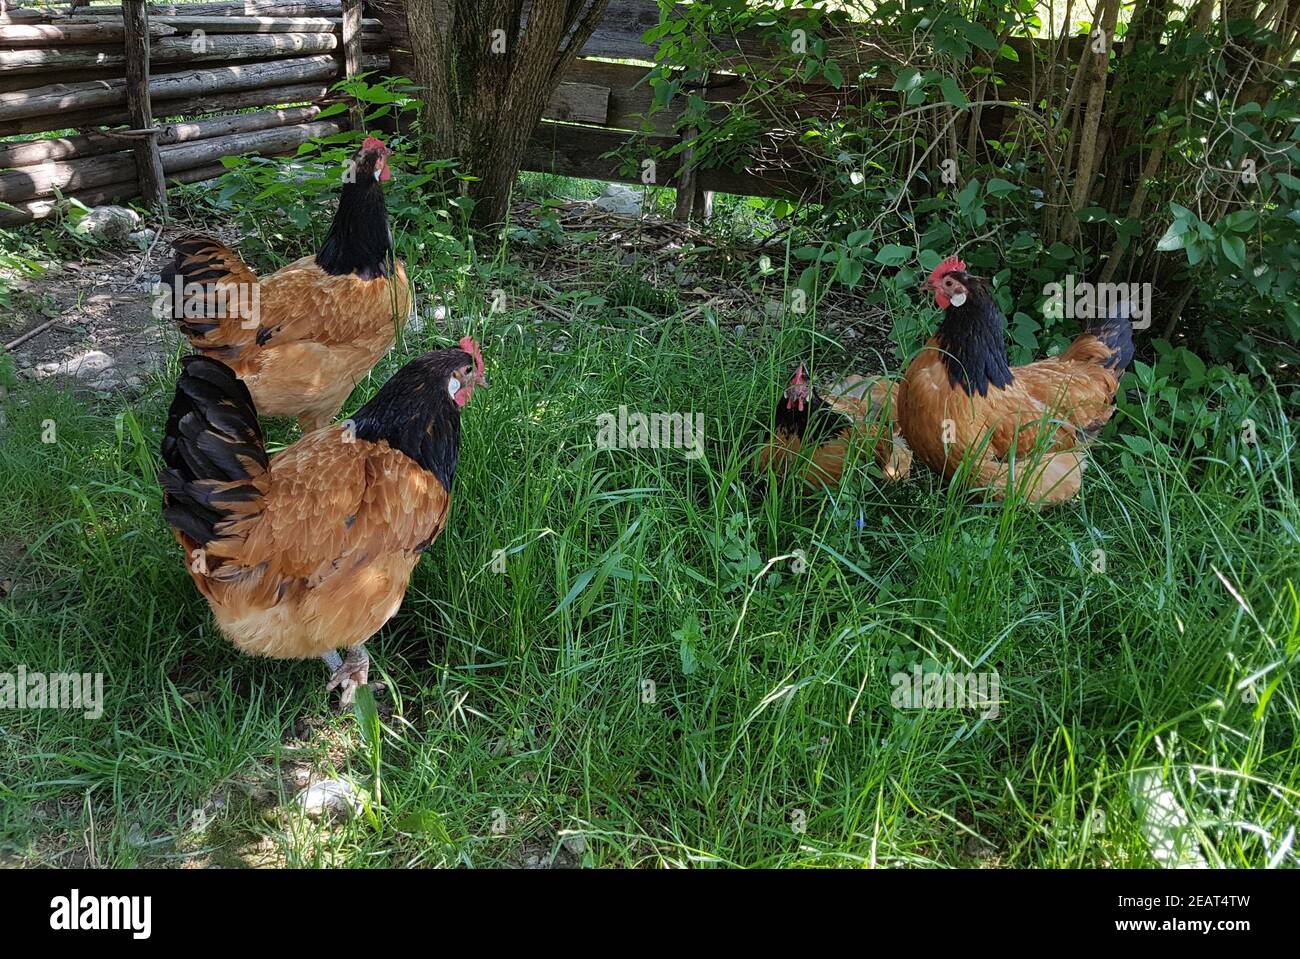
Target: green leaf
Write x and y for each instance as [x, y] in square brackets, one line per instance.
[1194, 366]
[1138, 444]
[1293, 319]
[1240, 221]
[997, 187]
[1173, 238]
[1234, 248]
[952, 93]
[689, 638]
[966, 198]
[423, 821]
[850, 271]
[907, 80]
[979, 35]
[893, 254]
[833, 74]
[596, 575]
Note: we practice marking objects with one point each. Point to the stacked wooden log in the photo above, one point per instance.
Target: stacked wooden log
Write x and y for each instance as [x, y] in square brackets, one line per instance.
[67, 73]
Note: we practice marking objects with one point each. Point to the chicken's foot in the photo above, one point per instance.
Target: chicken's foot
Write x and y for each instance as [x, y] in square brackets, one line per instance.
[347, 674]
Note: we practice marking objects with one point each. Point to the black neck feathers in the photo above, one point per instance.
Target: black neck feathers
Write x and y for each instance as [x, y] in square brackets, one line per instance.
[974, 351]
[359, 240]
[812, 424]
[414, 413]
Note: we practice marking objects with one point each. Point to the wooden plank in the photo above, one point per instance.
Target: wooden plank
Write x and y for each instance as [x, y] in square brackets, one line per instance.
[274, 140]
[243, 46]
[114, 192]
[23, 15]
[247, 8]
[63, 58]
[74, 177]
[40, 209]
[619, 35]
[630, 95]
[579, 151]
[185, 49]
[70, 177]
[689, 193]
[80, 96]
[268, 96]
[33, 152]
[262, 97]
[579, 103]
[148, 162]
[392, 14]
[46, 34]
[259, 24]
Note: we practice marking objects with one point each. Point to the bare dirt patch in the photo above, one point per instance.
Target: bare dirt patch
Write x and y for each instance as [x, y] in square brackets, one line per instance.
[91, 320]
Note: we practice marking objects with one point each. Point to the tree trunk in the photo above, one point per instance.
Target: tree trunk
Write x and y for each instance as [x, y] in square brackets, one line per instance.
[1090, 146]
[488, 69]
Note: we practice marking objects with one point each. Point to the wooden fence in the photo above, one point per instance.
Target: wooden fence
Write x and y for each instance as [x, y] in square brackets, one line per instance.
[205, 59]
[108, 72]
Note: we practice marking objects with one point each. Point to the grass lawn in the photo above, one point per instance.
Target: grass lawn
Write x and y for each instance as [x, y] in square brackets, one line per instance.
[651, 681]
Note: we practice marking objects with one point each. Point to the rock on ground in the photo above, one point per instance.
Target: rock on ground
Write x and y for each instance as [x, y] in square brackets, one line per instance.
[110, 223]
[619, 199]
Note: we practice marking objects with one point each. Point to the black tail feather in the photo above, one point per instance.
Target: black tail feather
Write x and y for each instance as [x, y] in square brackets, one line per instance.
[213, 448]
[1116, 331]
[199, 264]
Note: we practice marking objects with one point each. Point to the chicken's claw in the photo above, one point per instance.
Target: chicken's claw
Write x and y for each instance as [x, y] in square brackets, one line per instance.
[348, 674]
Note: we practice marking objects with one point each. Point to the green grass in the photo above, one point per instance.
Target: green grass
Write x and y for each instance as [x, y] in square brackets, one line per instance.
[772, 705]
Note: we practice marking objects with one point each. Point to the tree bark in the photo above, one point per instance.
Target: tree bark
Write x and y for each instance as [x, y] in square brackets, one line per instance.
[148, 161]
[489, 68]
[1090, 147]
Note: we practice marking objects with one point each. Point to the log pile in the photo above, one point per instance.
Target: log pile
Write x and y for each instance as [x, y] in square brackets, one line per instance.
[69, 72]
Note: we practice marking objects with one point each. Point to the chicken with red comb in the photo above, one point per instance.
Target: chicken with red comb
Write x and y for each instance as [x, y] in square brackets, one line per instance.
[814, 434]
[303, 337]
[310, 551]
[961, 401]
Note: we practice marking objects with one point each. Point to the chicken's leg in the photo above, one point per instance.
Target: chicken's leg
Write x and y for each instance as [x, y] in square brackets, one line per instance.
[347, 674]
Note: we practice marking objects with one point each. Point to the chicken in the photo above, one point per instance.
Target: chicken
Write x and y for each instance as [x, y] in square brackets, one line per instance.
[960, 401]
[303, 337]
[311, 551]
[856, 410]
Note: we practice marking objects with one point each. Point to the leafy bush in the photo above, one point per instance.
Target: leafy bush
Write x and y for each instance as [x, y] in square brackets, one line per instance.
[976, 128]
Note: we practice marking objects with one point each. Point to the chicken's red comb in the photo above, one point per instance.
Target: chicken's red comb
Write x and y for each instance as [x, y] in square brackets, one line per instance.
[946, 267]
[373, 143]
[797, 379]
[469, 346]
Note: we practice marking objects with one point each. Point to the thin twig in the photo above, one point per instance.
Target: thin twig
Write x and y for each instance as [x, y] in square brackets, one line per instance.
[12, 344]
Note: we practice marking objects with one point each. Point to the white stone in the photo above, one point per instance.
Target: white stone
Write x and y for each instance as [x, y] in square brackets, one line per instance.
[332, 798]
[619, 199]
[112, 223]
